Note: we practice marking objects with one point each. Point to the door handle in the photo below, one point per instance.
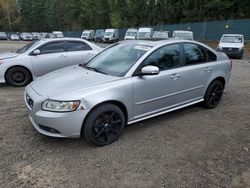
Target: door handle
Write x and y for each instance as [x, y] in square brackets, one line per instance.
[175, 76]
[208, 69]
[62, 56]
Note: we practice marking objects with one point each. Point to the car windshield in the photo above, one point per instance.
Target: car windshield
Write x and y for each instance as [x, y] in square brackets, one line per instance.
[131, 33]
[85, 34]
[160, 35]
[2, 33]
[231, 39]
[118, 59]
[99, 33]
[185, 36]
[26, 34]
[108, 34]
[143, 35]
[25, 48]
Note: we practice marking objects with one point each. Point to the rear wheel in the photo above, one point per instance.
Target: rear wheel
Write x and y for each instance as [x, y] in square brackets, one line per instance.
[104, 125]
[18, 77]
[214, 94]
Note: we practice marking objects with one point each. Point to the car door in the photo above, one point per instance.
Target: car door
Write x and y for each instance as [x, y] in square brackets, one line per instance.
[156, 93]
[196, 71]
[78, 52]
[52, 57]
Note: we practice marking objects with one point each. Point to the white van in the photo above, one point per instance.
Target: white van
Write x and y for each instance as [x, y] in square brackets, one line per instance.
[161, 35]
[131, 34]
[232, 45]
[111, 35]
[88, 35]
[184, 35]
[58, 34]
[144, 33]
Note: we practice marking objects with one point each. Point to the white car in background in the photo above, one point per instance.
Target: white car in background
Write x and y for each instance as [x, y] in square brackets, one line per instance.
[58, 34]
[111, 35]
[145, 33]
[26, 36]
[232, 45]
[14, 37]
[160, 35]
[88, 35]
[41, 57]
[183, 35]
[131, 34]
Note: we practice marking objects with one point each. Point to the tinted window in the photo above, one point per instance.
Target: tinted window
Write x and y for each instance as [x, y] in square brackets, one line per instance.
[165, 58]
[54, 47]
[77, 46]
[211, 56]
[194, 54]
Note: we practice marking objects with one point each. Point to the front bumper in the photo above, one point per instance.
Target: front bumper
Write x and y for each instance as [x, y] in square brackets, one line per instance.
[51, 123]
[231, 52]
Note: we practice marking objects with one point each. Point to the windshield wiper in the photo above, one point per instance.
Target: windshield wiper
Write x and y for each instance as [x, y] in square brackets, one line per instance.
[94, 69]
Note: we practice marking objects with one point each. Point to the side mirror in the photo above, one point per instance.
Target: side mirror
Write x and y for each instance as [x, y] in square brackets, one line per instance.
[36, 52]
[150, 70]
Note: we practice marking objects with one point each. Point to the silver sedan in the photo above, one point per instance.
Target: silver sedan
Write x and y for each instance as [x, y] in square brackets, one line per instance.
[126, 83]
[41, 57]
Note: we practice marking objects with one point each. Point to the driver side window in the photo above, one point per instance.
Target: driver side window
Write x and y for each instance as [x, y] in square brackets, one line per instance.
[164, 58]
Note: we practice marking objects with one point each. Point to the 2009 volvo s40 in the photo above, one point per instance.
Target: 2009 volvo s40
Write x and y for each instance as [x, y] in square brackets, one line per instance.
[126, 83]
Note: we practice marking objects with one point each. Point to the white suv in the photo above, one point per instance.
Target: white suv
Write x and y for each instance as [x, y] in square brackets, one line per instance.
[232, 45]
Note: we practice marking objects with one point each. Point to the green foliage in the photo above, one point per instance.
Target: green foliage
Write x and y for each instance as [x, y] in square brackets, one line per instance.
[47, 15]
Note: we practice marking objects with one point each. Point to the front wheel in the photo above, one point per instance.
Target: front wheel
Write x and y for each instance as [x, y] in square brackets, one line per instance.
[18, 77]
[104, 125]
[213, 94]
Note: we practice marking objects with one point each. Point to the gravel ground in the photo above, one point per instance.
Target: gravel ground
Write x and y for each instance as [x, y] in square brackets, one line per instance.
[192, 147]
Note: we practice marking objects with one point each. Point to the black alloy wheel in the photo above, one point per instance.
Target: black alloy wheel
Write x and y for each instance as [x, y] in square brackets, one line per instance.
[214, 94]
[18, 77]
[104, 125]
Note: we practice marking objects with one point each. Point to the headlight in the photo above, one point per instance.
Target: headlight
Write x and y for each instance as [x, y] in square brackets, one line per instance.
[60, 106]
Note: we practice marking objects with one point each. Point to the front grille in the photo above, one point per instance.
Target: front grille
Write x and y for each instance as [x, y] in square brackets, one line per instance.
[29, 101]
[231, 49]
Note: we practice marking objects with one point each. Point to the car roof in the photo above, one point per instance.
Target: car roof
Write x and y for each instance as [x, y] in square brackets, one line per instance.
[60, 39]
[181, 31]
[156, 43]
[232, 35]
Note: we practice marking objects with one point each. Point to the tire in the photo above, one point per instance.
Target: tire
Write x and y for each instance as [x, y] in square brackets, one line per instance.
[18, 77]
[104, 125]
[213, 94]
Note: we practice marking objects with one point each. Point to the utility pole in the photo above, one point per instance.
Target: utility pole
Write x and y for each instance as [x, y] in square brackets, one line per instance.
[8, 16]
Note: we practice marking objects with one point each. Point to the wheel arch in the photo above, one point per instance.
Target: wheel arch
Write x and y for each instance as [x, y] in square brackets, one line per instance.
[221, 79]
[21, 66]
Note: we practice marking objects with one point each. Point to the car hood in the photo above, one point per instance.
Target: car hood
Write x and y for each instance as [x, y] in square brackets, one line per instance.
[8, 55]
[69, 79]
[231, 45]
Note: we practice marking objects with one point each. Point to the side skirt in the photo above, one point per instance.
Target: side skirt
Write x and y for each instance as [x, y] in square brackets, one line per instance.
[165, 111]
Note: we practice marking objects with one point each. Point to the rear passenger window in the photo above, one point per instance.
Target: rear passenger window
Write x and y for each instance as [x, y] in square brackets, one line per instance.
[211, 56]
[165, 58]
[195, 54]
[77, 46]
